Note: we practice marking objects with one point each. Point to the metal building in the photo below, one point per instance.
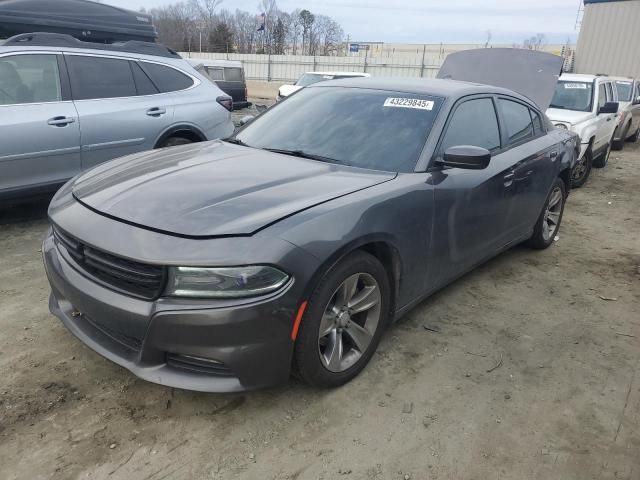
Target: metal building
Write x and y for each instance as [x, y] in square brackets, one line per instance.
[609, 39]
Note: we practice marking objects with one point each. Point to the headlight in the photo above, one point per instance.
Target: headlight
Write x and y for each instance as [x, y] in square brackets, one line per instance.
[561, 125]
[224, 282]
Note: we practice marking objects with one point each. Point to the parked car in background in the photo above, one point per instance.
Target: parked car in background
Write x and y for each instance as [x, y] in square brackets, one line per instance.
[586, 105]
[296, 242]
[67, 105]
[310, 78]
[228, 75]
[628, 127]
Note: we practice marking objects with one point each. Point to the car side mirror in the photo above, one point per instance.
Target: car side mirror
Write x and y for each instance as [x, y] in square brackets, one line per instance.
[466, 156]
[609, 107]
[246, 119]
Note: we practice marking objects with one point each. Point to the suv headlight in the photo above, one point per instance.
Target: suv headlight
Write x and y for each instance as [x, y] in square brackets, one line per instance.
[224, 282]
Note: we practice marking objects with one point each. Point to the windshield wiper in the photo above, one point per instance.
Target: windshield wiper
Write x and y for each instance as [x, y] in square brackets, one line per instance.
[303, 154]
[235, 141]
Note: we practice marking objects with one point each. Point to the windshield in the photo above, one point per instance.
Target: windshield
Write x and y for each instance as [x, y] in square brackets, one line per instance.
[366, 128]
[624, 91]
[311, 78]
[573, 96]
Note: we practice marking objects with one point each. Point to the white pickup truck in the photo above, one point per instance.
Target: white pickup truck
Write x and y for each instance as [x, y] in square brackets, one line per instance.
[587, 105]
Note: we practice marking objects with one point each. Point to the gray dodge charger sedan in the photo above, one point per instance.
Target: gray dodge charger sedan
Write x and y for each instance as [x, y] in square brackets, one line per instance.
[295, 243]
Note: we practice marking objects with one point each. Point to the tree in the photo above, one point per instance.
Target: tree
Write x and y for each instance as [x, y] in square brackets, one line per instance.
[306, 20]
[278, 37]
[221, 38]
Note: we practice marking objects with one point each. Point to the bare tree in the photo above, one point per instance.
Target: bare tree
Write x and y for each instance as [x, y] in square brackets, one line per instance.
[306, 20]
[488, 42]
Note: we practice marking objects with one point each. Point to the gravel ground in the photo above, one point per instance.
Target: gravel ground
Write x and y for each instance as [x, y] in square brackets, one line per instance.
[532, 372]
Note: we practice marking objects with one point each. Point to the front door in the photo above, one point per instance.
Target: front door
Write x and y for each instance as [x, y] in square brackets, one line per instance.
[471, 206]
[40, 134]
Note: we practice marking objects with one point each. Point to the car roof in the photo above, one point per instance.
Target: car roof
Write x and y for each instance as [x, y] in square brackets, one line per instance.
[581, 77]
[214, 62]
[354, 74]
[421, 86]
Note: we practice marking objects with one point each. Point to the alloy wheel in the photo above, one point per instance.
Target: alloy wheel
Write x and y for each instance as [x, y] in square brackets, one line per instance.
[580, 169]
[349, 322]
[552, 214]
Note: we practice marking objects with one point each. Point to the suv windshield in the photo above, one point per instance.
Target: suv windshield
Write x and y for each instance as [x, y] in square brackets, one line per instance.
[624, 90]
[573, 96]
[365, 128]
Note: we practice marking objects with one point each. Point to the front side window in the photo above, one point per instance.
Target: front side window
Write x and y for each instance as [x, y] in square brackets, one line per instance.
[474, 123]
[376, 129]
[573, 96]
[99, 77]
[625, 90]
[517, 120]
[233, 74]
[167, 79]
[537, 122]
[602, 95]
[29, 79]
[610, 97]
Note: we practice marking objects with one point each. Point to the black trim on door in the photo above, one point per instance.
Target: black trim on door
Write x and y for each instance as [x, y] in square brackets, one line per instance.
[65, 82]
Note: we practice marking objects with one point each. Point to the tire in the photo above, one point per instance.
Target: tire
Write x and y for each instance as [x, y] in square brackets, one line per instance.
[582, 169]
[619, 144]
[634, 138]
[603, 159]
[545, 230]
[174, 142]
[332, 357]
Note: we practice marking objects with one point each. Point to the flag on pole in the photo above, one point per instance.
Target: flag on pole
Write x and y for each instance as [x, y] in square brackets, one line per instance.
[261, 19]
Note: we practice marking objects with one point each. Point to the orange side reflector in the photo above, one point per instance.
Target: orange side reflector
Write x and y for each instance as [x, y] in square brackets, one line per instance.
[296, 324]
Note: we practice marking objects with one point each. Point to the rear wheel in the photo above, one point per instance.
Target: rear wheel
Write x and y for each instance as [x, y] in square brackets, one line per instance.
[582, 169]
[548, 223]
[175, 141]
[344, 321]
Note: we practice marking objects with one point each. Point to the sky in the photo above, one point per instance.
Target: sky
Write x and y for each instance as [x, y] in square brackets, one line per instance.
[429, 21]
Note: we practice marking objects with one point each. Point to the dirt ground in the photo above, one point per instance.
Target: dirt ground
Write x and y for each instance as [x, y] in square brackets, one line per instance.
[532, 374]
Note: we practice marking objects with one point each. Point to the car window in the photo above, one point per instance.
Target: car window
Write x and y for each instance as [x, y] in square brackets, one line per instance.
[537, 122]
[29, 79]
[144, 86]
[602, 95]
[99, 77]
[625, 89]
[167, 79]
[311, 78]
[233, 74]
[610, 97]
[572, 96]
[376, 129]
[215, 74]
[475, 123]
[517, 120]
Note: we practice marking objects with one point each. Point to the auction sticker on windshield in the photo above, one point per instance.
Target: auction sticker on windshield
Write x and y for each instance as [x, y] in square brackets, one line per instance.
[409, 103]
[579, 86]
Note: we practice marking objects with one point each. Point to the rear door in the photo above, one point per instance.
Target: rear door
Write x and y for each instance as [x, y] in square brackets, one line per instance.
[121, 110]
[39, 129]
[472, 205]
[234, 84]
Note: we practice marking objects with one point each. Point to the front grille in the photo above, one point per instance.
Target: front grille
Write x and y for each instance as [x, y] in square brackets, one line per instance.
[198, 365]
[126, 276]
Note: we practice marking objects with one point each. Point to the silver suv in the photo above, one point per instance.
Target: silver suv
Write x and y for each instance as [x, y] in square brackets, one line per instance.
[67, 105]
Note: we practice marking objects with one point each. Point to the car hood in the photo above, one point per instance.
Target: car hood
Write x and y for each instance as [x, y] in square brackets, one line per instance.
[531, 73]
[567, 116]
[214, 188]
[286, 90]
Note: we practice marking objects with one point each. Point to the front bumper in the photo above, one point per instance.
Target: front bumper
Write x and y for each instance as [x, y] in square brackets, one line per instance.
[249, 344]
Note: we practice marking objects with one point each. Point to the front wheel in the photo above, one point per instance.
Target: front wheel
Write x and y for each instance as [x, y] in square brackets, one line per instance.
[582, 169]
[548, 223]
[344, 321]
[603, 159]
[634, 137]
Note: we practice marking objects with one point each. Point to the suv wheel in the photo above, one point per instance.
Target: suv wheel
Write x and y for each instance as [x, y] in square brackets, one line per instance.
[548, 223]
[582, 169]
[603, 159]
[634, 137]
[175, 141]
[344, 321]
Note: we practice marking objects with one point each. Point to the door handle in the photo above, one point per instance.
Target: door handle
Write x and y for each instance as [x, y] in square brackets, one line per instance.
[508, 178]
[60, 121]
[608, 119]
[156, 111]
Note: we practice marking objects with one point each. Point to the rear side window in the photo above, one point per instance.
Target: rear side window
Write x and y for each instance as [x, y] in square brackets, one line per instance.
[475, 123]
[144, 85]
[29, 79]
[215, 74]
[167, 79]
[517, 120]
[98, 77]
[233, 74]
